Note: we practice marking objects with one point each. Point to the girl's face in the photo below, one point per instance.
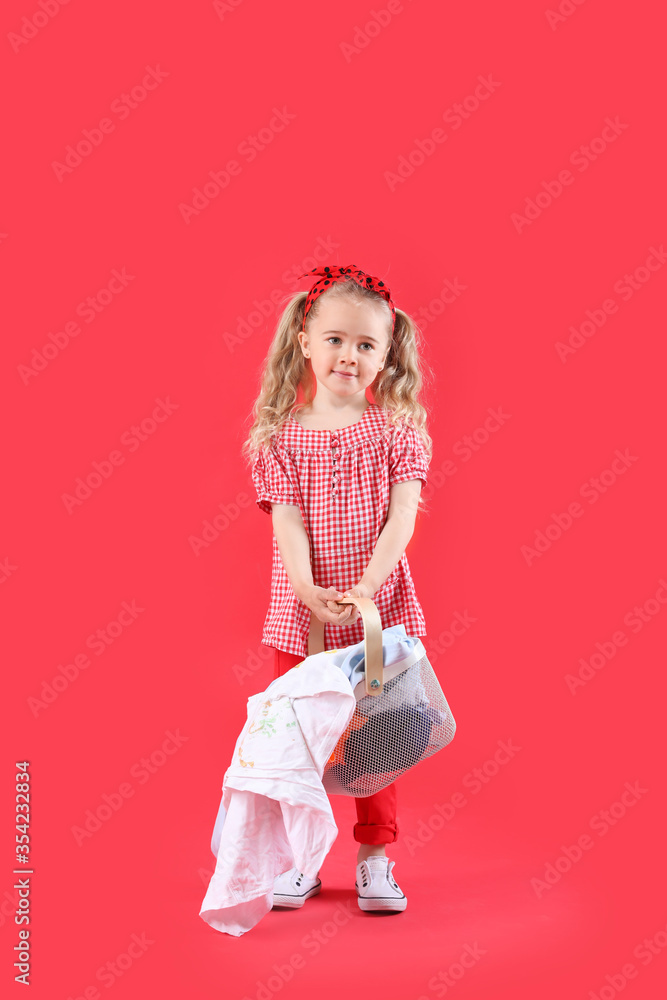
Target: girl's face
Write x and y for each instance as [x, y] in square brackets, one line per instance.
[347, 343]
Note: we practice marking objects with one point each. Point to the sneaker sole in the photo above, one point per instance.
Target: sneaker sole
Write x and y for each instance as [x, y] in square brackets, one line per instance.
[382, 903]
[294, 902]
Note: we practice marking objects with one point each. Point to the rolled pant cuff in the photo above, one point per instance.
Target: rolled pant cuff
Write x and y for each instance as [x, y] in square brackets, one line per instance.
[375, 833]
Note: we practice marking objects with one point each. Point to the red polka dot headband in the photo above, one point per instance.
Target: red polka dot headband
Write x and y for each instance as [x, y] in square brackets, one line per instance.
[329, 275]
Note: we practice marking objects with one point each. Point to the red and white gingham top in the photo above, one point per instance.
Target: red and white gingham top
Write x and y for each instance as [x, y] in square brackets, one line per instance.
[341, 482]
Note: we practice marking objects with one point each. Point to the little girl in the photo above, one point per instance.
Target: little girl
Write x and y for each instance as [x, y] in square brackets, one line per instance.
[341, 477]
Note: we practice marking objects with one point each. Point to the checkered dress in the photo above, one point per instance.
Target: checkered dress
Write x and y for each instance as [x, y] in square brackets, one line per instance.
[341, 482]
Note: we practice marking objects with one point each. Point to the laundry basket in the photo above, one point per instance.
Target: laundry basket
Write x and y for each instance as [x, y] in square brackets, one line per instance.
[401, 716]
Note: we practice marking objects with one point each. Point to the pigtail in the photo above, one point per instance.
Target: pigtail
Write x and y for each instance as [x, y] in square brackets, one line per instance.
[283, 371]
[399, 384]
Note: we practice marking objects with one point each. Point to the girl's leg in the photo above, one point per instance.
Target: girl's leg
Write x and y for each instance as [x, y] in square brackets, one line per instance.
[376, 815]
[376, 822]
[284, 661]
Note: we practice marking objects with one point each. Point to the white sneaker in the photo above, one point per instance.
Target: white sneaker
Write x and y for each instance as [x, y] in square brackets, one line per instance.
[376, 888]
[293, 888]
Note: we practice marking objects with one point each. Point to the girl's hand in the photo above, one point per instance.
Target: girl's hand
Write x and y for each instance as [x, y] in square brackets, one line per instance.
[361, 590]
[323, 605]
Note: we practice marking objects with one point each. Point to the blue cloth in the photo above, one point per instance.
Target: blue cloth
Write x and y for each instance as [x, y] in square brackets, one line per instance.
[396, 646]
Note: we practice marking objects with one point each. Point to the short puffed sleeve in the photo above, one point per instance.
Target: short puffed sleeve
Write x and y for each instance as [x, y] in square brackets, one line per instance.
[408, 458]
[271, 477]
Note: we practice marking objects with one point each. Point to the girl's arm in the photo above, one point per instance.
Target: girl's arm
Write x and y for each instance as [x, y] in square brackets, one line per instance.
[394, 537]
[294, 548]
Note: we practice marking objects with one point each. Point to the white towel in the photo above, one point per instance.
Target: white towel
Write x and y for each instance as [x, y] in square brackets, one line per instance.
[274, 813]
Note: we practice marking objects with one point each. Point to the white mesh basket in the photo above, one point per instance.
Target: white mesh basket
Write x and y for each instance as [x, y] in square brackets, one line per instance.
[401, 716]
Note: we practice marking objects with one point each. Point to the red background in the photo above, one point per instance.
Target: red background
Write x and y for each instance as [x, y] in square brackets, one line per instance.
[169, 335]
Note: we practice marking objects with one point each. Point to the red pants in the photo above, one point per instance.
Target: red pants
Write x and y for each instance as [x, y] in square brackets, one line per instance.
[376, 814]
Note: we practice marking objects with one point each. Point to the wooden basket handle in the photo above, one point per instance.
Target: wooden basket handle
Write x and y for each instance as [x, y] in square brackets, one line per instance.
[372, 640]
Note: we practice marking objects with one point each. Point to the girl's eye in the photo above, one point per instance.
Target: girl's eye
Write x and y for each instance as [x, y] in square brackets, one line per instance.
[365, 344]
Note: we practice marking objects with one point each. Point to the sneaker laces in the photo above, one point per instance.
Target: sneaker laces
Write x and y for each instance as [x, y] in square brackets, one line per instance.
[300, 876]
[381, 864]
[378, 862]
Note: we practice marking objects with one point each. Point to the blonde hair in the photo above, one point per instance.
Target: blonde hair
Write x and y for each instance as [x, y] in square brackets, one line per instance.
[395, 389]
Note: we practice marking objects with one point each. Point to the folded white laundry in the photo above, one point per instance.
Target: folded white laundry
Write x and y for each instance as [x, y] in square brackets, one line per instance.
[274, 813]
